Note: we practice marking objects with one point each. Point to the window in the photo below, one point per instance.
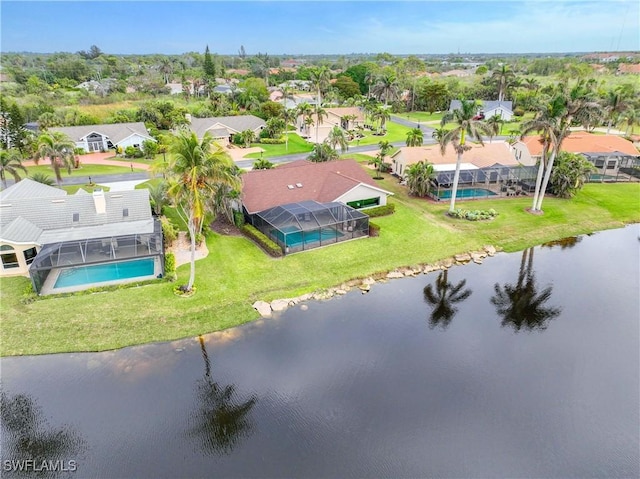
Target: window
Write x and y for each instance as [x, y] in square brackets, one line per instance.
[125, 212]
[30, 254]
[365, 203]
[76, 217]
[9, 260]
[611, 165]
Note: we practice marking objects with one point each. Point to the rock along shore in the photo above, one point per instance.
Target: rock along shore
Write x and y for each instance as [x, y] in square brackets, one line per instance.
[267, 309]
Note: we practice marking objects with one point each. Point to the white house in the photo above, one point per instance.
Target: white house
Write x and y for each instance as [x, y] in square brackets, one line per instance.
[103, 137]
[489, 108]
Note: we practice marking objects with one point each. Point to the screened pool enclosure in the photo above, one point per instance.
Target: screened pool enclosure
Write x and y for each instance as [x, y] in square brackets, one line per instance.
[57, 259]
[309, 224]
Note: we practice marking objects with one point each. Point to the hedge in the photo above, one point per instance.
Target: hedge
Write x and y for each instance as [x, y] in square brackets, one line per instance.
[374, 229]
[261, 239]
[384, 210]
[272, 141]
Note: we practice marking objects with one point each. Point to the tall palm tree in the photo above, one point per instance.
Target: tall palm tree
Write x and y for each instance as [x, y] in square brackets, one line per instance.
[305, 111]
[443, 299]
[614, 104]
[522, 306]
[378, 160]
[337, 137]
[320, 78]
[465, 126]
[415, 137]
[381, 113]
[289, 116]
[577, 101]
[10, 164]
[58, 147]
[223, 418]
[495, 126]
[631, 118]
[545, 122]
[321, 114]
[386, 87]
[197, 170]
[503, 78]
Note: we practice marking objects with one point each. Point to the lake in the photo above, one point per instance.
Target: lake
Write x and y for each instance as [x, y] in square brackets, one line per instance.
[524, 366]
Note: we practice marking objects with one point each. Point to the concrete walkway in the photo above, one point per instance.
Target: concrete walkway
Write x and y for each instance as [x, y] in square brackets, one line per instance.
[98, 159]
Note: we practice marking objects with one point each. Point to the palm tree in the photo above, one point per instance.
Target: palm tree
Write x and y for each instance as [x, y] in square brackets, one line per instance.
[337, 137]
[631, 118]
[465, 126]
[305, 110]
[321, 114]
[521, 306]
[198, 169]
[415, 137]
[378, 160]
[443, 299]
[222, 419]
[10, 164]
[615, 105]
[289, 116]
[248, 136]
[262, 164]
[438, 134]
[544, 122]
[42, 178]
[158, 196]
[503, 78]
[320, 78]
[576, 101]
[323, 152]
[58, 147]
[495, 126]
[382, 115]
[386, 87]
[419, 178]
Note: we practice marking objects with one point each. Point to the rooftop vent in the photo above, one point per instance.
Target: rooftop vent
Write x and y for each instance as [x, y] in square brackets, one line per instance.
[76, 217]
[57, 201]
[291, 187]
[299, 185]
[125, 212]
[99, 202]
[116, 196]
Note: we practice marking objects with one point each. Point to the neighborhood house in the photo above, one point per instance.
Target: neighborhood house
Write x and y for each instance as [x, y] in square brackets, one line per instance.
[104, 137]
[223, 128]
[303, 205]
[487, 109]
[73, 242]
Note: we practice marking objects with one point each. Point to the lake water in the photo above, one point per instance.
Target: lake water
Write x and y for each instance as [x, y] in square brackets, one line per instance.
[529, 369]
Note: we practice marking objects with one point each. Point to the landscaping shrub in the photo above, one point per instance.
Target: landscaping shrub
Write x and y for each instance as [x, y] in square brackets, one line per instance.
[133, 152]
[272, 141]
[169, 232]
[261, 239]
[238, 218]
[385, 210]
[170, 267]
[79, 151]
[518, 111]
[475, 215]
[374, 229]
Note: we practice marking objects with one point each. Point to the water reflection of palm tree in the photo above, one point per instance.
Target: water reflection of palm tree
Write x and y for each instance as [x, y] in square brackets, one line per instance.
[28, 437]
[443, 299]
[222, 419]
[523, 306]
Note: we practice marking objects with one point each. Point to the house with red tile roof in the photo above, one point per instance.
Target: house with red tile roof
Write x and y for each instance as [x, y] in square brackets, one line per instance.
[342, 181]
[629, 68]
[606, 152]
[479, 156]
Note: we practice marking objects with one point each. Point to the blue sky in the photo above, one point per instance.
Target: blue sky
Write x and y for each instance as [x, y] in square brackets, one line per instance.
[331, 27]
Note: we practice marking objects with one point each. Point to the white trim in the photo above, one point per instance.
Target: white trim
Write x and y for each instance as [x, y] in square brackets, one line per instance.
[374, 188]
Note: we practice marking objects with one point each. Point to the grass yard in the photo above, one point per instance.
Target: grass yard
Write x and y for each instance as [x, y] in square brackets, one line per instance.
[236, 273]
[84, 170]
[421, 116]
[296, 145]
[395, 132]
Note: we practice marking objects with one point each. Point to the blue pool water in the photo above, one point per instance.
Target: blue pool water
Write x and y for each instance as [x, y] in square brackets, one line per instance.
[467, 193]
[100, 273]
[296, 239]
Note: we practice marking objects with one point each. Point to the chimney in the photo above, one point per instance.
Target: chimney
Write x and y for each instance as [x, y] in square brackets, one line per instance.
[99, 201]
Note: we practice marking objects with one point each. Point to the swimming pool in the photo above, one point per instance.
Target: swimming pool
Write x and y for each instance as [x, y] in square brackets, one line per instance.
[467, 193]
[101, 273]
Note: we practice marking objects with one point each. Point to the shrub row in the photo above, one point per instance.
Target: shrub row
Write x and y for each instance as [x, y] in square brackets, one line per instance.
[374, 229]
[272, 141]
[474, 215]
[261, 239]
[385, 210]
[170, 267]
[169, 231]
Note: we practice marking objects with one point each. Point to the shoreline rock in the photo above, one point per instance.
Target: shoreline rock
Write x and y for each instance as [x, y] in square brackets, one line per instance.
[266, 309]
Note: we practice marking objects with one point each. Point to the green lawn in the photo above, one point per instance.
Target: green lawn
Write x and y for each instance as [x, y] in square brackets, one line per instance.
[421, 116]
[296, 145]
[236, 273]
[395, 132]
[83, 171]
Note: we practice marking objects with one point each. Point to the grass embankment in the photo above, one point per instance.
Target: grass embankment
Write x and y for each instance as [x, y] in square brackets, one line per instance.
[236, 272]
[84, 170]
